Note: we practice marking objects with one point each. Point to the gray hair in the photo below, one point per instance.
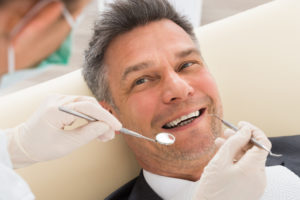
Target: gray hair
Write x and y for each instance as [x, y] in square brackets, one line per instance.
[120, 17]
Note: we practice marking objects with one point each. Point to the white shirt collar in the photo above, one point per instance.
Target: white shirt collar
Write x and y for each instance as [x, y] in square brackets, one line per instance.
[164, 186]
[280, 181]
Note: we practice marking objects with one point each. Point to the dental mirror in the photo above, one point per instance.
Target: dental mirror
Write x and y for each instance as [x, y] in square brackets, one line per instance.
[165, 138]
[161, 138]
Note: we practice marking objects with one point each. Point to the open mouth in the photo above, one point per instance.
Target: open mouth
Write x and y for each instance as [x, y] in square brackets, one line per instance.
[184, 120]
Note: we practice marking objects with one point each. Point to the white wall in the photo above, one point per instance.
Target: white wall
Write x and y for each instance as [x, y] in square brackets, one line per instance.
[190, 8]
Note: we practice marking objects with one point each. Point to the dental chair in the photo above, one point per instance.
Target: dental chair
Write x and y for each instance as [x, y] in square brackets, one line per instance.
[255, 59]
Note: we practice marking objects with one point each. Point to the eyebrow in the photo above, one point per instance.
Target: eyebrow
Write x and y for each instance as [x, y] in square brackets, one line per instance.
[144, 65]
[187, 52]
[135, 68]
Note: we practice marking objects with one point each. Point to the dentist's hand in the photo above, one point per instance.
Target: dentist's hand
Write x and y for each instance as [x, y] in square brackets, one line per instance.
[237, 171]
[43, 137]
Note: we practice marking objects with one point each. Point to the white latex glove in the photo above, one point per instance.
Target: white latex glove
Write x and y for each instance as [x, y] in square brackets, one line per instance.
[236, 172]
[43, 137]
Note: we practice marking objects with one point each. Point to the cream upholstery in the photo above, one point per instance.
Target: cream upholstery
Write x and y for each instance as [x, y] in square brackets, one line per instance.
[255, 58]
[91, 172]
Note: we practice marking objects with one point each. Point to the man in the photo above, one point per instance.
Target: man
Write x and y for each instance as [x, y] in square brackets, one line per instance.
[145, 67]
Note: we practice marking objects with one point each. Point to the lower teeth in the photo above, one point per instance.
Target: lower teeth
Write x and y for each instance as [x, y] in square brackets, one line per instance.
[184, 123]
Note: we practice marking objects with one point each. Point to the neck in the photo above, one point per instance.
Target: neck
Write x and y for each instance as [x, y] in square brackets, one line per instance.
[184, 169]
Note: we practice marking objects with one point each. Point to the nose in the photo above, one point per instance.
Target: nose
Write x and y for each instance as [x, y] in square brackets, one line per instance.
[176, 88]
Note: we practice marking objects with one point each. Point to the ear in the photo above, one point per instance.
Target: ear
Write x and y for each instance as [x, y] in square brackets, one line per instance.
[107, 107]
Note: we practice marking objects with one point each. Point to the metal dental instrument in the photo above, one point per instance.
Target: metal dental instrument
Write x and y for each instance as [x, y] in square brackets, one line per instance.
[255, 142]
[161, 138]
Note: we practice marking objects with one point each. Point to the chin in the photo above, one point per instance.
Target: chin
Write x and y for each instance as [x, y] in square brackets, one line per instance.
[194, 147]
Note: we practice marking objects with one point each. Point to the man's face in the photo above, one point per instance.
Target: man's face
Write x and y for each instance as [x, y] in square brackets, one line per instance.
[159, 84]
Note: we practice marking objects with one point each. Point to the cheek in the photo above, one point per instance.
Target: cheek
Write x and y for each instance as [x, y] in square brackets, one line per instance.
[206, 83]
[142, 106]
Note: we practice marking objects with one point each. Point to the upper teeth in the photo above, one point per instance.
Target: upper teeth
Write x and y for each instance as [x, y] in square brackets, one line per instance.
[182, 118]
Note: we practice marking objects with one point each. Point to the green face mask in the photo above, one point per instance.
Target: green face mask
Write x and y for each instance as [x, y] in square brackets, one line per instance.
[60, 56]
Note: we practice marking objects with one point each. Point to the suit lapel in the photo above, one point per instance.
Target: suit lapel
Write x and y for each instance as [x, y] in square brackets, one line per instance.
[289, 147]
[142, 191]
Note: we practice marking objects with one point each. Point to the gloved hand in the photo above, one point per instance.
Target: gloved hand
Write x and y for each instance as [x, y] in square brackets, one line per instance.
[43, 137]
[237, 171]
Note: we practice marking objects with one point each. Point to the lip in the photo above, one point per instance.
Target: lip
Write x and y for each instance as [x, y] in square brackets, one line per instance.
[195, 121]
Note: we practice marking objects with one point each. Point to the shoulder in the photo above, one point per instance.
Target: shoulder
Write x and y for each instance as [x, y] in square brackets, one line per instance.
[282, 140]
[136, 189]
[123, 192]
[289, 147]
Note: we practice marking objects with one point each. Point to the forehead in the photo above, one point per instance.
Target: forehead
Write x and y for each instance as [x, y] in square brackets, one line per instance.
[145, 43]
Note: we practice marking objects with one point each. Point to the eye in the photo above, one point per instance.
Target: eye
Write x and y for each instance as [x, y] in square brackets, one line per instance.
[185, 65]
[141, 81]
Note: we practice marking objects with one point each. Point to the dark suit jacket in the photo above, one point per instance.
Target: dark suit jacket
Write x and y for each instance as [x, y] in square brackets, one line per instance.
[289, 146]
[136, 189]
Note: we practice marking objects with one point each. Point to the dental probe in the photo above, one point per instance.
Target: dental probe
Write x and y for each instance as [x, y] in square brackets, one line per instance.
[161, 138]
[255, 142]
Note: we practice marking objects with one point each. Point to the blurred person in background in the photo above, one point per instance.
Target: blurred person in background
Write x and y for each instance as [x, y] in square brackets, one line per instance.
[35, 34]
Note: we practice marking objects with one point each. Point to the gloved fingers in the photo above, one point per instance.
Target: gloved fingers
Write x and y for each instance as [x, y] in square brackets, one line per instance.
[228, 133]
[61, 100]
[256, 154]
[91, 131]
[219, 142]
[86, 98]
[258, 134]
[67, 120]
[94, 109]
[253, 165]
[60, 119]
[228, 151]
[89, 106]
[244, 123]
[49, 113]
[235, 144]
[242, 152]
[109, 135]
